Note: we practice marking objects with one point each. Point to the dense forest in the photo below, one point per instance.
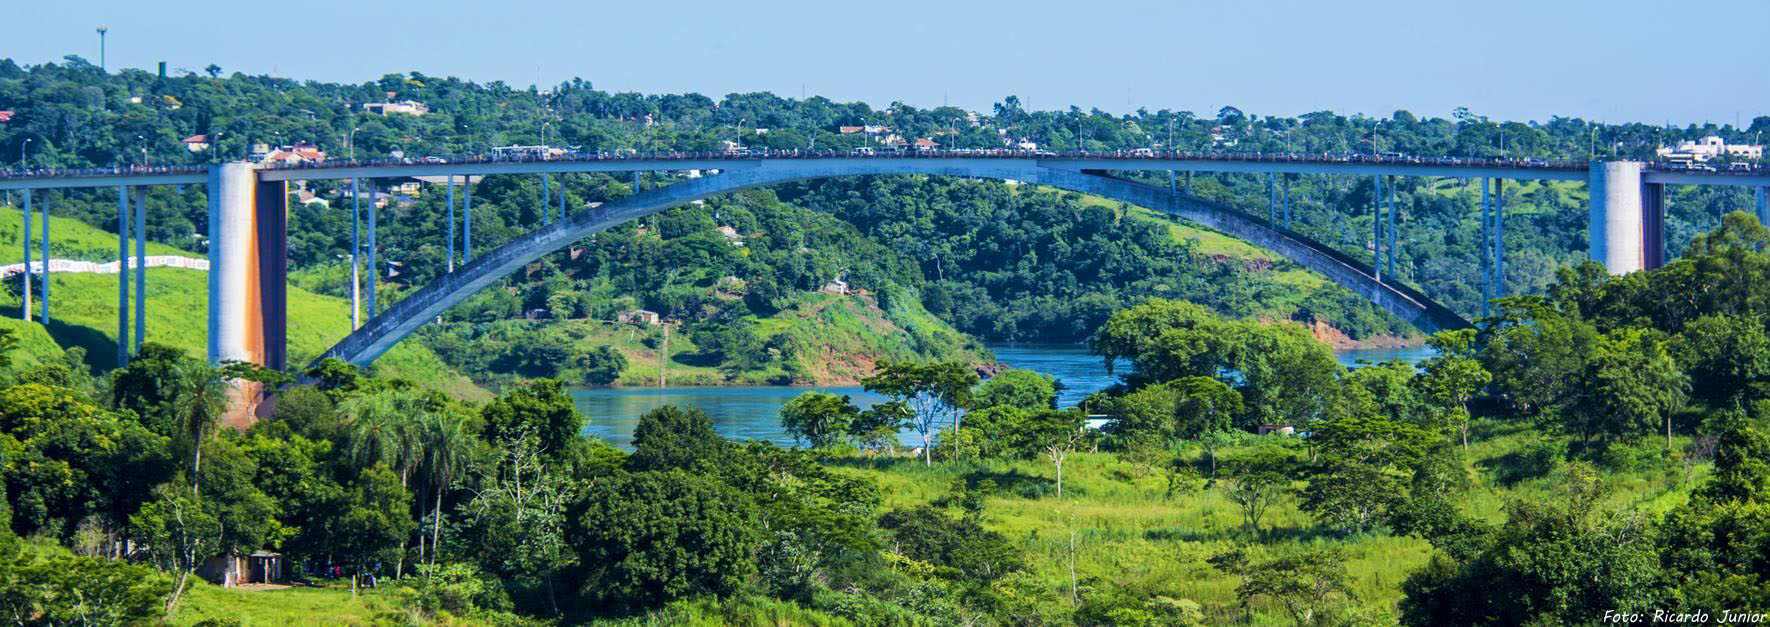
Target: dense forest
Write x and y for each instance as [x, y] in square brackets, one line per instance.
[996, 262]
[1599, 447]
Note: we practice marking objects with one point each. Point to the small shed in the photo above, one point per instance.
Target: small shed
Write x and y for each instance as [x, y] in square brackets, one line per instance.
[264, 567]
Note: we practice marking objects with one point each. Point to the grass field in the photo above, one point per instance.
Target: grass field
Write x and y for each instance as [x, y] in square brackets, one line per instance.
[68, 239]
[1130, 536]
[286, 607]
[83, 311]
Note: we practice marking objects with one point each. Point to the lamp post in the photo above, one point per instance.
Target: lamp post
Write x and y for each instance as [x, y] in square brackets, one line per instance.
[101, 31]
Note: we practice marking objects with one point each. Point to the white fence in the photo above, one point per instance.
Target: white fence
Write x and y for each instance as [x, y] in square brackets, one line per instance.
[105, 267]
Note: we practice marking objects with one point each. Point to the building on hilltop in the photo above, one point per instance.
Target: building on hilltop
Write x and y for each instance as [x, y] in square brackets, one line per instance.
[639, 316]
[301, 152]
[1709, 148]
[408, 107]
[196, 143]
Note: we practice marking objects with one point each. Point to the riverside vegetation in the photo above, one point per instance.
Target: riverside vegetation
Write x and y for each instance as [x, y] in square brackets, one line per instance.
[1600, 447]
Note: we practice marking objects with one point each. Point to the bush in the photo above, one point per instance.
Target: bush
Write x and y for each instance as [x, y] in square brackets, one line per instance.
[649, 538]
[458, 589]
[1534, 459]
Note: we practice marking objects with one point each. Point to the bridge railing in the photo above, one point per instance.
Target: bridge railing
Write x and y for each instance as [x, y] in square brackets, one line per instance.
[1523, 163]
[127, 170]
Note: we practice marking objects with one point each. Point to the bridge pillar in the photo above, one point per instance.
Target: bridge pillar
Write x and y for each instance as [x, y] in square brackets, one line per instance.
[1653, 225]
[248, 257]
[1615, 222]
[1763, 208]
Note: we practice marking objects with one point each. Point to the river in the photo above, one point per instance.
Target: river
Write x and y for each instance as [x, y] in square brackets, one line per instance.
[744, 413]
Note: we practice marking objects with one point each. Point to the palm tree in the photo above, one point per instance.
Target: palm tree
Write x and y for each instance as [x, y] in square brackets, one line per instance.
[199, 397]
[446, 444]
[384, 429]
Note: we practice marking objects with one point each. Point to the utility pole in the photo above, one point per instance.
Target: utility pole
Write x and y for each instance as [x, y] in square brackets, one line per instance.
[664, 356]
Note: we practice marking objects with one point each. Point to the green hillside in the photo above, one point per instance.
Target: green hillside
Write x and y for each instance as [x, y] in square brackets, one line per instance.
[83, 312]
[819, 338]
[68, 239]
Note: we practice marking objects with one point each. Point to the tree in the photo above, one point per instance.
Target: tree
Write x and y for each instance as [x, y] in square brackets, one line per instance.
[1053, 433]
[50, 588]
[1627, 385]
[1713, 548]
[515, 526]
[1206, 406]
[602, 366]
[1536, 354]
[1448, 380]
[818, 418]
[180, 533]
[1164, 339]
[446, 445]
[1287, 376]
[958, 548]
[671, 437]
[1256, 480]
[384, 430]
[648, 538]
[1556, 560]
[927, 389]
[198, 399]
[1305, 582]
[63, 459]
[1024, 389]
[542, 410]
[374, 524]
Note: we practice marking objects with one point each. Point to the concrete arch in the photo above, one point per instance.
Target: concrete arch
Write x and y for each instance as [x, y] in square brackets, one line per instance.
[390, 326]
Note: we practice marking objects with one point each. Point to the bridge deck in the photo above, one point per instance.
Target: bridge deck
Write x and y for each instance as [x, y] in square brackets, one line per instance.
[1344, 165]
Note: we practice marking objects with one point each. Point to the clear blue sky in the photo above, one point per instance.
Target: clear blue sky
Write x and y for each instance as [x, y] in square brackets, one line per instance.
[1614, 60]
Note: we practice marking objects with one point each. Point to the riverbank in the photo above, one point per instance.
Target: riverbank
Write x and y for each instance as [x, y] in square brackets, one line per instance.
[753, 412]
[1333, 336]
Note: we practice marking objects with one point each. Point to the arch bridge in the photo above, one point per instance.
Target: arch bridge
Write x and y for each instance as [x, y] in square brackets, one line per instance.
[247, 317]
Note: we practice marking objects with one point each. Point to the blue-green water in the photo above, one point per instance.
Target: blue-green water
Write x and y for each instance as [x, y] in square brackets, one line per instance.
[744, 413]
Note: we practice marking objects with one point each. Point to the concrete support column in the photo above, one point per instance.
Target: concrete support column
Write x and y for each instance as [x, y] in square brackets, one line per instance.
[1499, 238]
[1763, 206]
[356, 254]
[1377, 226]
[1390, 188]
[1615, 229]
[1486, 246]
[248, 267]
[140, 270]
[467, 219]
[122, 276]
[1653, 225]
[45, 316]
[1287, 201]
[374, 268]
[23, 312]
[1271, 197]
[450, 183]
[546, 202]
